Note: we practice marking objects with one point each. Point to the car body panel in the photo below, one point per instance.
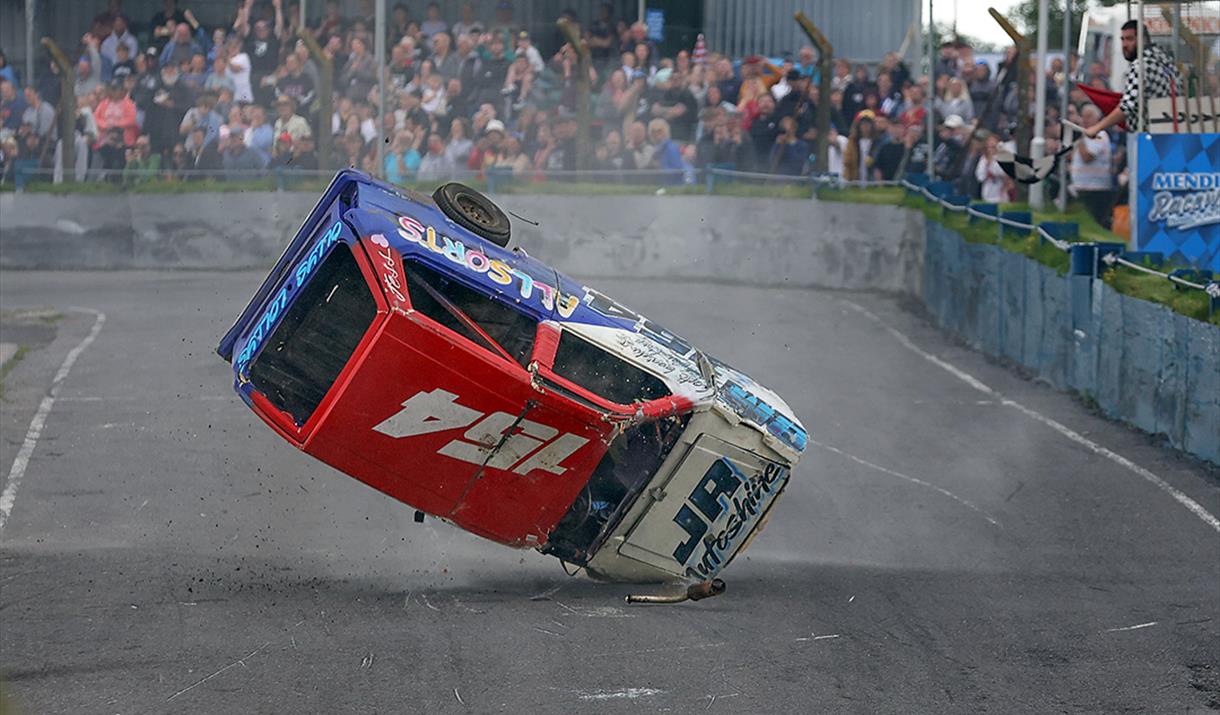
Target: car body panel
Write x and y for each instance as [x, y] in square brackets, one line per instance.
[445, 419]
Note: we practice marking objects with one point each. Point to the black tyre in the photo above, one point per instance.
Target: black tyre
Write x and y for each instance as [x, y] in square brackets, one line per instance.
[473, 211]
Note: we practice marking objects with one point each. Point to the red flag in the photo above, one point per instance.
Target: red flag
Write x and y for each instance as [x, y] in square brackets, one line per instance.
[1105, 100]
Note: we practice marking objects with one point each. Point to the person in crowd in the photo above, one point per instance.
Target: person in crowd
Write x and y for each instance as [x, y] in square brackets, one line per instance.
[967, 181]
[1091, 172]
[459, 144]
[600, 36]
[674, 103]
[468, 23]
[889, 155]
[855, 92]
[124, 64]
[402, 159]
[1160, 77]
[841, 76]
[142, 164]
[359, 73]
[510, 159]
[39, 115]
[763, 128]
[436, 165]
[790, 153]
[433, 25]
[119, 36]
[525, 48]
[239, 70]
[239, 160]
[956, 101]
[259, 135]
[857, 156]
[445, 61]
[637, 144]
[183, 44]
[110, 156]
[753, 88]
[331, 24]
[12, 106]
[666, 153]
[88, 68]
[202, 117]
[948, 145]
[165, 22]
[610, 155]
[993, 182]
[913, 111]
[195, 75]
[262, 46]
[117, 111]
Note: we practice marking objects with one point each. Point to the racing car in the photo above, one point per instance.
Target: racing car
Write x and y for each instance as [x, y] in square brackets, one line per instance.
[400, 340]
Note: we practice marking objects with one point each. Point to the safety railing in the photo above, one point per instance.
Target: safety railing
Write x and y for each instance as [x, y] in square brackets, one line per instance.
[501, 178]
[1085, 257]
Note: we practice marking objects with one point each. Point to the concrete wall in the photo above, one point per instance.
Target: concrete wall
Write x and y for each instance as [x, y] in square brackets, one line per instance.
[1141, 362]
[765, 241]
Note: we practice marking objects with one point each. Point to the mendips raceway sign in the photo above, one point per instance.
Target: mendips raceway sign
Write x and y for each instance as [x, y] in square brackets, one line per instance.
[1179, 198]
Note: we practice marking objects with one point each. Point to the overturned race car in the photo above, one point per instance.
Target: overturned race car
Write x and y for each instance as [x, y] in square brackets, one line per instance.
[400, 341]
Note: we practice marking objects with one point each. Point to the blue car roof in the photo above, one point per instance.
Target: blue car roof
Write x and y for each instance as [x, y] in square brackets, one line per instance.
[372, 207]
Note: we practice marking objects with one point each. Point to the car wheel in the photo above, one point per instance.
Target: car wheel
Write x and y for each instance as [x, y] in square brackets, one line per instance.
[473, 211]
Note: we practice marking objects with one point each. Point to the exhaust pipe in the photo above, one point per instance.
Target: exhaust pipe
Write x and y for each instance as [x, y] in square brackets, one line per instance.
[694, 592]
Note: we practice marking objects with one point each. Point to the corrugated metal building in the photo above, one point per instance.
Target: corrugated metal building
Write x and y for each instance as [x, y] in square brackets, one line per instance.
[861, 30]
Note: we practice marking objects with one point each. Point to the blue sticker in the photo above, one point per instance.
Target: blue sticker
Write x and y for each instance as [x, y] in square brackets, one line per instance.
[271, 315]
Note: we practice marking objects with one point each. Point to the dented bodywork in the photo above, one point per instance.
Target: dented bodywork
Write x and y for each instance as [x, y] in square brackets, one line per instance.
[482, 386]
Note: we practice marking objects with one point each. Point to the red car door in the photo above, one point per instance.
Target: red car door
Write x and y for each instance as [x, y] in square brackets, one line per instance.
[441, 414]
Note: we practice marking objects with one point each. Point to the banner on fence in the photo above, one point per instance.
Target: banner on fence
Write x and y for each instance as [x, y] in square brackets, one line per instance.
[1178, 204]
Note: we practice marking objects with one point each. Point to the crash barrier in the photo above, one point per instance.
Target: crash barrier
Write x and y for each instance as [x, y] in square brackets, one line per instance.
[761, 241]
[1139, 361]
[26, 176]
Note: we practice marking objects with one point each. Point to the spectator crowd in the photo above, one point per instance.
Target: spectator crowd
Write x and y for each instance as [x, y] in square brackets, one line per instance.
[172, 98]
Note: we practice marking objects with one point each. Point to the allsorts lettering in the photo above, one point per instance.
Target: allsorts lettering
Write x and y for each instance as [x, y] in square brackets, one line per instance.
[476, 261]
[275, 308]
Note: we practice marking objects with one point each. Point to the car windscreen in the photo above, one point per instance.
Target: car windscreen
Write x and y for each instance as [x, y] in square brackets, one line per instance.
[603, 373]
[316, 337]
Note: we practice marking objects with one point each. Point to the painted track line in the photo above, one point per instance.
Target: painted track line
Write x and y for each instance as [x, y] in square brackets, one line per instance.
[908, 478]
[22, 460]
[1193, 506]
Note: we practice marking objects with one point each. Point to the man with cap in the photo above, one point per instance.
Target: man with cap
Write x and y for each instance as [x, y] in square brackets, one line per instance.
[503, 26]
[948, 145]
[117, 111]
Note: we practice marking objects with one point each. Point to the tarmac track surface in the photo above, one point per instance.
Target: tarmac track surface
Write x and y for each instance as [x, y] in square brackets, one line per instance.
[937, 551]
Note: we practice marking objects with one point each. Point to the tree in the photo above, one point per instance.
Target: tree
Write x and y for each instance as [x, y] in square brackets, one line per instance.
[1025, 16]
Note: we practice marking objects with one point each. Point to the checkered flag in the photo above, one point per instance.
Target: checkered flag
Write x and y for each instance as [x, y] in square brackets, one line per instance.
[1025, 170]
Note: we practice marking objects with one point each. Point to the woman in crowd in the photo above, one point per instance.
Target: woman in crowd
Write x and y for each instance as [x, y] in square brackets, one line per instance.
[857, 155]
[956, 100]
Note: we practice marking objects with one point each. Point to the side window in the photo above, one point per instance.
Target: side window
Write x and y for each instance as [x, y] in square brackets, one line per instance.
[603, 373]
[462, 309]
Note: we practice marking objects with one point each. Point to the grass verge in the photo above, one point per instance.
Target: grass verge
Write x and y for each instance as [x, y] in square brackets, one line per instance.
[1188, 302]
[9, 365]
